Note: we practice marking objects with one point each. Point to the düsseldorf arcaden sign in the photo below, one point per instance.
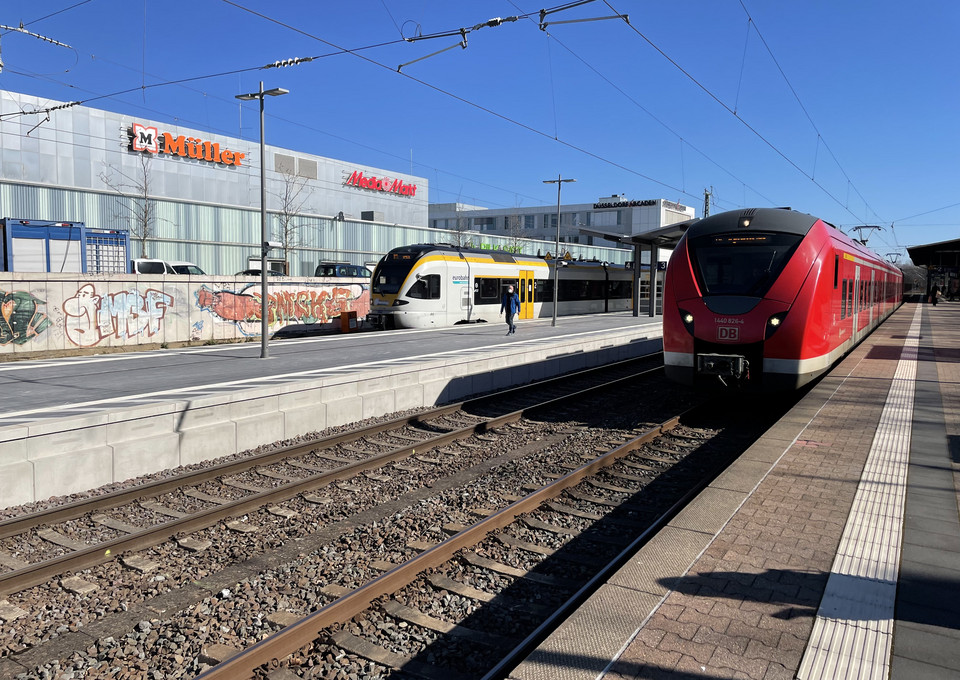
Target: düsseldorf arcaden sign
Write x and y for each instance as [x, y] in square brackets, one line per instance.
[384, 184]
[150, 140]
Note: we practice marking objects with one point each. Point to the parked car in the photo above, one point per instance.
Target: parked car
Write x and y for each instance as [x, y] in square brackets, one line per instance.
[256, 272]
[149, 266]
[342, 269]
[188, 268]
[146, 265]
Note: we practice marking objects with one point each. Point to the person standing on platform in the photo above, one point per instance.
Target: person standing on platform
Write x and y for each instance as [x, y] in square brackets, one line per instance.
[934, 294]
[510, 303]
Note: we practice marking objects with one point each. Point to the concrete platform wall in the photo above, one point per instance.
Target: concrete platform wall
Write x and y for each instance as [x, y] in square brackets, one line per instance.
[70, 455]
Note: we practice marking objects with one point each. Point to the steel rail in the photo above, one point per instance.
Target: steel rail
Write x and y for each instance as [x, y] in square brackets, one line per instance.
[306, 631]
[529, 643]
[62, 513]
[40, 572]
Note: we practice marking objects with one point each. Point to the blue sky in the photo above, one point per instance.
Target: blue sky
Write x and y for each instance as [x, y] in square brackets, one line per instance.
[846, 110]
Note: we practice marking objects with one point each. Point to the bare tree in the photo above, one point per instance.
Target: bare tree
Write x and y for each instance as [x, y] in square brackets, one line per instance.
[137, 209]
[460, 227]
[514, 232]
[292, 196]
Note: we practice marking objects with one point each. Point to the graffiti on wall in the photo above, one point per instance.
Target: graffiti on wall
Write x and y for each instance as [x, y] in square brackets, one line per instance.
[307, 305]
[89, 317]
[20, 318]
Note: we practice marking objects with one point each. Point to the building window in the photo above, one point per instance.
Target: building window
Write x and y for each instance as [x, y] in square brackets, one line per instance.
[283, 164]
[606, 218]
[529, 221]
[484, 223]
[307, 168]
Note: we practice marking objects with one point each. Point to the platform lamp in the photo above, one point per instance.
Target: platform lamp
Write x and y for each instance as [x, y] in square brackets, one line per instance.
[265, 245]
[556, 255]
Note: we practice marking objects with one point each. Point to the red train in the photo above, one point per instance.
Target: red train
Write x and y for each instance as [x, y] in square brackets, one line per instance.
[768, 299]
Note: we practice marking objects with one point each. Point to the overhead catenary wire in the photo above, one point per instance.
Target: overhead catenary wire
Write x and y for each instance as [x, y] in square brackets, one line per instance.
[276, 64]
[459, 98]
[802, 107]
[355, 50]
[731, 111]
[665, 126]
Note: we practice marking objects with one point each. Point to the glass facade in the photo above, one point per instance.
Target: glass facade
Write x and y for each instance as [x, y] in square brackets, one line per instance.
[107, 170]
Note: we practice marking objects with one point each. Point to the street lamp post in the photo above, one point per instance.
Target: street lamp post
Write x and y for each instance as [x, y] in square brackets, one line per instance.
[264, 243]
[556, 255]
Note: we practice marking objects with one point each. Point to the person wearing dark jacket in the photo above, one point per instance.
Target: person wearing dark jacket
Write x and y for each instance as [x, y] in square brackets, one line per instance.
[510, 303]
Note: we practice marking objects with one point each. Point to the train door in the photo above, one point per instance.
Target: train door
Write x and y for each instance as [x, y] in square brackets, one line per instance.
[526, 294]
[856, 304]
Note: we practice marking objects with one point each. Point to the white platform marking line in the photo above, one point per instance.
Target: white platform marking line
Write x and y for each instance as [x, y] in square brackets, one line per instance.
[853, 633]
[316, 372]
[233, 347]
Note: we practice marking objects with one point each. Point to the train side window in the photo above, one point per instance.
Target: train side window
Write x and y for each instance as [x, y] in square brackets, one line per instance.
[620, 290]
[426, 288]
[843, 300]
[486, 291]
[836, 270]
[543, 290]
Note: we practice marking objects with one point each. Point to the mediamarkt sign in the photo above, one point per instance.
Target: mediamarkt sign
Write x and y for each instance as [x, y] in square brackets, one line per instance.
[149, 139]
[390, 186]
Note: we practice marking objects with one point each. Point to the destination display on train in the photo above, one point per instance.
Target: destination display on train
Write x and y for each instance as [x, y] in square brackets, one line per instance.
[740, 239]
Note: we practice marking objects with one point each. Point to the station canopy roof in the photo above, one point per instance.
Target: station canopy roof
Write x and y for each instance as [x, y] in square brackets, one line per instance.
[943, 254]
[664, 237]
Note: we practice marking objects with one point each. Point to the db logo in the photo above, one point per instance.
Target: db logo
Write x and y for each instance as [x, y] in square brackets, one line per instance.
[728, 333]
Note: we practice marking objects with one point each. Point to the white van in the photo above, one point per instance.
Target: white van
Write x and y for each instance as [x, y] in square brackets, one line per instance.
[145, 265]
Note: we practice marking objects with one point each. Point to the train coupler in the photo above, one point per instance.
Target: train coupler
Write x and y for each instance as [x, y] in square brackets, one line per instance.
[723, 365]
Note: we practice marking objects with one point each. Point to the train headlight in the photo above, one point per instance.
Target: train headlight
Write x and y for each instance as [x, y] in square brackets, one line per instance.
[773, 323]
[687, 319]
[398, 302]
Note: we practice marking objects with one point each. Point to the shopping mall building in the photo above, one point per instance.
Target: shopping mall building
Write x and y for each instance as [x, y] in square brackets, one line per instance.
[198, 193]
[579, 223]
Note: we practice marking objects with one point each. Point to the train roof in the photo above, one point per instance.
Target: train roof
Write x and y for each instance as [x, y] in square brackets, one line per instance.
[418, 250]
[776, 219]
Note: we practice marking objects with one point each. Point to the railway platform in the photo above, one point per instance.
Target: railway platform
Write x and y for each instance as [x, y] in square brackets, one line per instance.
[72, 424]
[830, 549]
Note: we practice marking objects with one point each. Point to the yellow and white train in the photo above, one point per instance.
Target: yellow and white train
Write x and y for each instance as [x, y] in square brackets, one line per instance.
[432, 286]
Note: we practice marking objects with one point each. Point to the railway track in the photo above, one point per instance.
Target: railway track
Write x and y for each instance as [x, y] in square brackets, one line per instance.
[248, 484]
[365, 528]
[549, 522]
[67, 590]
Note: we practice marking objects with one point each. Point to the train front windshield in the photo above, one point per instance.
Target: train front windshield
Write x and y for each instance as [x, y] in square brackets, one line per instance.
[389, 276]
[741, 263]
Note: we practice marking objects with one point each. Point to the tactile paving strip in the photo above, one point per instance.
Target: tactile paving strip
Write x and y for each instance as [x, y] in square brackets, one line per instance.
[853, 631]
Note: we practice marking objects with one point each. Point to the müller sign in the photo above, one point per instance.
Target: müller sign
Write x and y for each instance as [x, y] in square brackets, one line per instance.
[390, 186]
[150, 140]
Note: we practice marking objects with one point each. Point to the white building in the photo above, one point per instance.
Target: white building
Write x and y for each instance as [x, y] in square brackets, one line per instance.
[611, 214]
